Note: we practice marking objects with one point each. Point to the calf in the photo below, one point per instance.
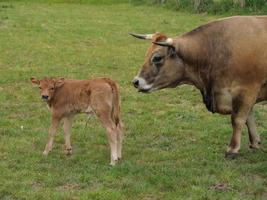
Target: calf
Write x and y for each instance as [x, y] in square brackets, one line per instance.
[67, 98]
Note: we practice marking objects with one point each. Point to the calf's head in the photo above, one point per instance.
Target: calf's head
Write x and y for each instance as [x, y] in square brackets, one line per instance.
[48, 86]
[162, 67]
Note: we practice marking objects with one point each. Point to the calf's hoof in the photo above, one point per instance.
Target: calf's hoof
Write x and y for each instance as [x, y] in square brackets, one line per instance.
[231, 155]
[113, 162]
[45, 152]
[68, 151]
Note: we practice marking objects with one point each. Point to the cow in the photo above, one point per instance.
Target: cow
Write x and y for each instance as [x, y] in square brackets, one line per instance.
[66, 98]
[226, 60]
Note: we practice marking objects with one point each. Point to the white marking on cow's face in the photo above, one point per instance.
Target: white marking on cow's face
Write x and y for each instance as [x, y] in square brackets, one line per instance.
[142, 84]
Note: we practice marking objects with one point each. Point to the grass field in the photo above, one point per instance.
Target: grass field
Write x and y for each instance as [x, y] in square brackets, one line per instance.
[173, 148]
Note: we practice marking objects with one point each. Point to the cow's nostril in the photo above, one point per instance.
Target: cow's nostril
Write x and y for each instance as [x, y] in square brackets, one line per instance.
[44, 97]
[136, 83]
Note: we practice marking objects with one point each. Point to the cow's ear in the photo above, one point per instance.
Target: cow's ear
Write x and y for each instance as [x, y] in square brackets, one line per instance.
[59, 82]
[35, 80]
[171, 51]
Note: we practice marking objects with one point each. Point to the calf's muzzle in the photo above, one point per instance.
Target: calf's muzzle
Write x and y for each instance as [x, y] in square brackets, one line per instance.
[45, 97]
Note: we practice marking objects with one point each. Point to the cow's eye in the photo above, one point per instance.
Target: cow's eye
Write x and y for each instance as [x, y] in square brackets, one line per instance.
[52, 88]
[40, 88]
[157, 58]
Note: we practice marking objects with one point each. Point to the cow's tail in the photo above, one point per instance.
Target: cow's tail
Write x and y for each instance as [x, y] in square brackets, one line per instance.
[116, 103]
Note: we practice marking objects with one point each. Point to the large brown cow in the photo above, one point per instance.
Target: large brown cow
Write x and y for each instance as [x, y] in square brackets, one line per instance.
[67, 98]
[225, 59]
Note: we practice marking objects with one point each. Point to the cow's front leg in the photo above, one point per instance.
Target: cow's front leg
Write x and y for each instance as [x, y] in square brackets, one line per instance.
[241, 109]
[234, 146]
[51, 135]
[254, 138]
[67, 130]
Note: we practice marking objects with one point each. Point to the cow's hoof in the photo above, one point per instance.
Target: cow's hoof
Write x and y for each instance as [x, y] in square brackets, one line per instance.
[254, 146]
[231, 155]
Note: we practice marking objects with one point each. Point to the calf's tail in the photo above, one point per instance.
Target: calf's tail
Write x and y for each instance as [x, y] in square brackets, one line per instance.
[116, 103]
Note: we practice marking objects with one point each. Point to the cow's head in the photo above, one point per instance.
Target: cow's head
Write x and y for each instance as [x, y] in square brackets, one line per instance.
[48, 86]
[162, 67]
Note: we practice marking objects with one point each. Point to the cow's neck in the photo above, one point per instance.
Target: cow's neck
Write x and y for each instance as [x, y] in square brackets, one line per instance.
[190, 51]
[197, 68]
[199, 77]
[194, 77]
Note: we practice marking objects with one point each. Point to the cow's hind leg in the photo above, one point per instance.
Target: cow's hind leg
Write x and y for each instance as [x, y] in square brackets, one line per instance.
[51, 135]
[67, 130]
[242, 105]
[254, 138]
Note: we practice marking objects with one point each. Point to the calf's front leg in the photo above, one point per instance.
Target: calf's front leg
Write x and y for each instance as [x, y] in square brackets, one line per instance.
[67, 130]
[51, 135]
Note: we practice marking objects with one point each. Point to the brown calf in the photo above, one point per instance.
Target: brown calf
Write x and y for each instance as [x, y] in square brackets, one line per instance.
[67, 98]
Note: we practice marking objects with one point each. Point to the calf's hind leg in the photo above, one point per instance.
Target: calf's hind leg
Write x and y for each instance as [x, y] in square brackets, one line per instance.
[119, 139]
[254, 138]
[112, 133]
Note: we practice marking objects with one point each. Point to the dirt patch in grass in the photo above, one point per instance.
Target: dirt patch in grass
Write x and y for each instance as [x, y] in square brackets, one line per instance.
[68, 186]
[220, 186]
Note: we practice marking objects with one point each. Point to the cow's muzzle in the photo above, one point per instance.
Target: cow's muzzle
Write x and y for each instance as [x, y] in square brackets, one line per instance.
[141, 84]
[135, 83]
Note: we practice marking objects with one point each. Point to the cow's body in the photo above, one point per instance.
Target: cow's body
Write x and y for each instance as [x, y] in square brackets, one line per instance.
[225, 59]
[98, 96]
[229, 56]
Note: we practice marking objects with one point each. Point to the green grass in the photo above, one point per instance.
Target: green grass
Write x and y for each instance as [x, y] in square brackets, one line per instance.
[210, 6]
[173, 148]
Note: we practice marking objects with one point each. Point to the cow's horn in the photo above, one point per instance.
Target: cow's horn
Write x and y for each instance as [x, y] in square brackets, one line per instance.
[143, 36]
[168, 42]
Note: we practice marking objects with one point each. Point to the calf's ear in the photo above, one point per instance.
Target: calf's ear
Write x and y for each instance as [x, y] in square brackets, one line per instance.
[59, 82]
[35, 80]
